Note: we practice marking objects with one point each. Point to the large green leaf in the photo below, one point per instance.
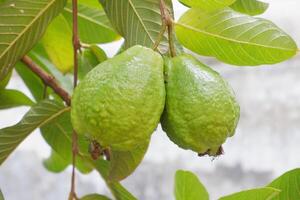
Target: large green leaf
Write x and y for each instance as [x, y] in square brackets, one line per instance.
[58, 134]
[93, 25]
[250, 7]
[94, 197]
[22, 24]
[122, 164]
[266, 193]
[208, 5]
[39, 115]
[55, 163]
[188, 187]
[57, 41]
[139, 22]
[289, 184]
[13, 98]
[234, 38]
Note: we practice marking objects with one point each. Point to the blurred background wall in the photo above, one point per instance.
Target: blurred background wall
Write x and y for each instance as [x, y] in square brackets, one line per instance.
[266, 143]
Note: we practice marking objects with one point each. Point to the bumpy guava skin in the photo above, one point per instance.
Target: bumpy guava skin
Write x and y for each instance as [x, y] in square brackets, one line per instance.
[201, 110]
[119, 103]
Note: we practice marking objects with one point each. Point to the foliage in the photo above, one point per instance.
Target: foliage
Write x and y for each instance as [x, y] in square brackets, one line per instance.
[42, 31]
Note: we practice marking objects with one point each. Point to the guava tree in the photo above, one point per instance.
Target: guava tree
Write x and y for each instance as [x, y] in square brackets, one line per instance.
[105, 123]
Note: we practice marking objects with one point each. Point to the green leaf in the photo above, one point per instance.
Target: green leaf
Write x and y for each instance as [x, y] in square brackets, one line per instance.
[122, 164]
[289, 184]
[250, 7]
[32, 81]
[266, 193]
[90, 58]
[119, 192]
[93, 25]
[39, 115]
[1, 195]
[94, 197]
[55, 163]
[58, 134]
[13, 98]
[188, 187]
[208, 5]
[234, 38]
[22, 24]
[4, 82]
[57, 41]
[139, 22]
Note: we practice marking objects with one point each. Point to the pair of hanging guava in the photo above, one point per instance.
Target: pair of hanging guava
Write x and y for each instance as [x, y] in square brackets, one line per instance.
[121, 101]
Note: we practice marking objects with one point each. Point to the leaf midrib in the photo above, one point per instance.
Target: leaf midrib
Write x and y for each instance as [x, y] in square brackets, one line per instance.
[231, 39]
[27, 27]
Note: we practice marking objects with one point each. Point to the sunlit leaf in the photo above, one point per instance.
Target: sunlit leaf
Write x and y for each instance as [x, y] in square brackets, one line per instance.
[39, 115]
[13, 98]
[122, 164]
[234, 38]
[250, 7]
[57, 41]
[22, 24]
[289, 184]
[266, 193]
[208, 5]
[188, 187]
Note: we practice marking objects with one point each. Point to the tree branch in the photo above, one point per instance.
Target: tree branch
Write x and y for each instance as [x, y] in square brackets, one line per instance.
[47, 79]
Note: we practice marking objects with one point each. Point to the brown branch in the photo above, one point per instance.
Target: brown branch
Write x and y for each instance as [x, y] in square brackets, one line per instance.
[47, 79]
[76, 48]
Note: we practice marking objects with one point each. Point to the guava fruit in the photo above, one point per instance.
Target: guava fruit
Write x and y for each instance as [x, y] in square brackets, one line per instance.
[119, 102]
[201, 110]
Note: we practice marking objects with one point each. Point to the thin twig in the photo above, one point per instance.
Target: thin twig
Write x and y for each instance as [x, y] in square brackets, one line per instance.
[47, 79]
[76, 48]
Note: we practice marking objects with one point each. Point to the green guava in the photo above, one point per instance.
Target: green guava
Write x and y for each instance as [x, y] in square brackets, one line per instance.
[120, 101]
[201, 110]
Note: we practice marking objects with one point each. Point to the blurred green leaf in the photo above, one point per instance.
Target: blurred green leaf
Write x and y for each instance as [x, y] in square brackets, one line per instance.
[93, 25]
[57, 42]
[266, 193]
[289, 184]
[20, 28]
[32, 81]
[250, 7]
[13, 98]
[1, 195]
[94, 197]
[234, 38]
[55, 163]
[90, 58]
[122, 164]
[208, 5]
[58, 134]
[39, 115]
[188, 187]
